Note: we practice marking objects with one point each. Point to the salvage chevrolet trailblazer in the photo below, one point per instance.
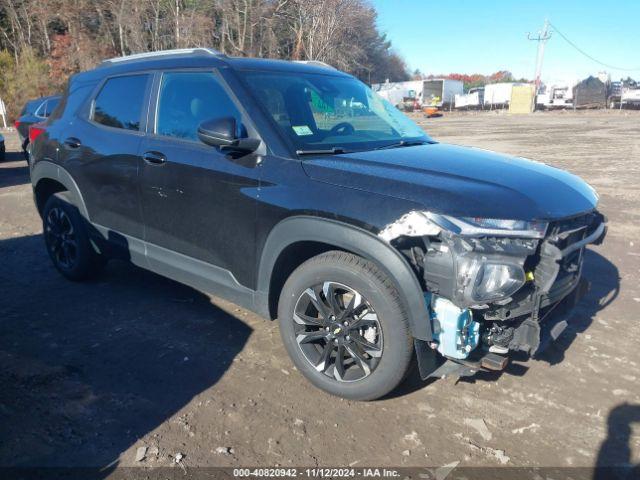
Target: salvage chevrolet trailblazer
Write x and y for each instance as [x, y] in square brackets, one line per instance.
[291, 189]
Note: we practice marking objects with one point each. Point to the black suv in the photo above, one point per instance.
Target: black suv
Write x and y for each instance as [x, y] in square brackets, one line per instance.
[294, 191]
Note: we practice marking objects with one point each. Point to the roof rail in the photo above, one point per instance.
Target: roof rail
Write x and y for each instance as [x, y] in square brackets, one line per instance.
[317, 63]
[161, 53]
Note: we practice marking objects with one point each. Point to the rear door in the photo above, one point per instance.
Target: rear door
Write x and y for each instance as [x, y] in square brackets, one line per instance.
[102, 151]
[197, 201]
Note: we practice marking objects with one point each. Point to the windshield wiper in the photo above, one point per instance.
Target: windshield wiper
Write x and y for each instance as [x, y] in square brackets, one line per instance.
[404, 143]
[322, 151]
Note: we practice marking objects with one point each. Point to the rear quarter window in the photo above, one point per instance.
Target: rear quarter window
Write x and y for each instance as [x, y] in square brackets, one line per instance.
[119, 102]
[41, 109]
[51, 106]
[59, 109]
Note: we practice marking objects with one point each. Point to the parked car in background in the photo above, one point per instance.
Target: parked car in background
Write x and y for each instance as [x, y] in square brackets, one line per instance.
[369, 241]
[2, 148]
[34, 111]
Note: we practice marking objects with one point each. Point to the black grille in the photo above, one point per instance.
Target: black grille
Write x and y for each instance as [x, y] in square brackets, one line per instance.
[568, 231]
[556, 272]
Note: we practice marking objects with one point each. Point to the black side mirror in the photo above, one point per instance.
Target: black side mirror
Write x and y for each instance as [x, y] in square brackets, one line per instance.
[222, 133]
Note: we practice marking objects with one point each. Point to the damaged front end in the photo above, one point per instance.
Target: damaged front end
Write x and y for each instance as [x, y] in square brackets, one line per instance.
[493, 286]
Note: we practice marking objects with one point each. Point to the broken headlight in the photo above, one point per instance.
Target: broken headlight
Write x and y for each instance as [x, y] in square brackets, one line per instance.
[494, 281]
[477, 226]
[468, 278]
[417, 224]
[470, 260]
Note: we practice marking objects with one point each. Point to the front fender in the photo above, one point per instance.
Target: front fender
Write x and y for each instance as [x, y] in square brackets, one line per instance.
[358, 241]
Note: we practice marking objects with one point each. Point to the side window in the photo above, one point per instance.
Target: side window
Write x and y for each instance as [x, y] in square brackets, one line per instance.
[187, 99]
[119, 103]
[51, 106]
[40, 112]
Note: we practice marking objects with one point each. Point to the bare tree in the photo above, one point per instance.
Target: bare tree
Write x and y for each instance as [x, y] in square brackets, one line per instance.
[66, 36]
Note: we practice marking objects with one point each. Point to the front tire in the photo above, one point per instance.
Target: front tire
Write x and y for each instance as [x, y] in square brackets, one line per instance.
[344, 326]
[67, 239]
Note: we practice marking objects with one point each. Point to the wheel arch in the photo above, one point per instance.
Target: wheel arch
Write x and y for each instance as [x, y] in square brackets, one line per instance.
[319, 235]
[48, 178]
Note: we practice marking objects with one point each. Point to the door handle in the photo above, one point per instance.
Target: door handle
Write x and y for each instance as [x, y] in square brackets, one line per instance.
[72, 142]
[154, 158]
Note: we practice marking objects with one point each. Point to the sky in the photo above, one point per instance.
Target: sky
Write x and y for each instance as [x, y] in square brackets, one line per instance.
[461, 36]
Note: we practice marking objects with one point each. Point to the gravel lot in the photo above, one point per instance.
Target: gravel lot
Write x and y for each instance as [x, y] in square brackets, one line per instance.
[91, 372]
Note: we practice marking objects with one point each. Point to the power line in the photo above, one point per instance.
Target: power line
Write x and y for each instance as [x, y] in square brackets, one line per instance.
[613, 67]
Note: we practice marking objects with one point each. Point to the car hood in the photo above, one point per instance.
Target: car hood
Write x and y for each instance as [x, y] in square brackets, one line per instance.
[460, 181]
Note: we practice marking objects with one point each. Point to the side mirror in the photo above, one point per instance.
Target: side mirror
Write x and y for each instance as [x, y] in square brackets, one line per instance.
[222, 133]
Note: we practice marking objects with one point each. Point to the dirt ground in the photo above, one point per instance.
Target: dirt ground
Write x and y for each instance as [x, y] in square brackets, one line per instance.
[91, 372]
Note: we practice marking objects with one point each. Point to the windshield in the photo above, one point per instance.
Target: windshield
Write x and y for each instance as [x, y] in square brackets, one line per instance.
[317, 112]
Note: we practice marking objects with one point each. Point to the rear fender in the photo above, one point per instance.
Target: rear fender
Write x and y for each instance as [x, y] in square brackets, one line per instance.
[48, 170]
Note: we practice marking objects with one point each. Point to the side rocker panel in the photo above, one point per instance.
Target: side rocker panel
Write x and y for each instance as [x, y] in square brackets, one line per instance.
[356, 240]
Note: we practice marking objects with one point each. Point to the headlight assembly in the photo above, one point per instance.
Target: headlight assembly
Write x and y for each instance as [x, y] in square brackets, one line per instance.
[477, 226]
[473, 261]
[481, 279]
[495, 281]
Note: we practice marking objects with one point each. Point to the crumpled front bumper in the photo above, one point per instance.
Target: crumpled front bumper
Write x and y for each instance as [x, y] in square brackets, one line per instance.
[532, 336]
[532, 322]
[535, 337]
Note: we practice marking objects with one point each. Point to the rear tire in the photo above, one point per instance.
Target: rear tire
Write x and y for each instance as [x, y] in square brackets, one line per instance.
[359, 346]
[67, 240]
[24, 150]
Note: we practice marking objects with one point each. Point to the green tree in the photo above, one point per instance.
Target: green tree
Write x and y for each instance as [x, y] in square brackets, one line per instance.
[22, 80]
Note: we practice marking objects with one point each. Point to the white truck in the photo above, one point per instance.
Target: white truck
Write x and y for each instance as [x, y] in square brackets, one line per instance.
[624, 93]
[396, 92]
[470, 100]
[498, 94]
[437, 92]
[631, 96]
[441, 92]
[556, 96]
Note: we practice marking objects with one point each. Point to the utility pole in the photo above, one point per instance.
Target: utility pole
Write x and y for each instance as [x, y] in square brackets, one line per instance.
[542, 38]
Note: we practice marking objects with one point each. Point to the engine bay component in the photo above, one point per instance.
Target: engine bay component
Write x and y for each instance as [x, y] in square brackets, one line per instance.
[454, 329]
[498, 338]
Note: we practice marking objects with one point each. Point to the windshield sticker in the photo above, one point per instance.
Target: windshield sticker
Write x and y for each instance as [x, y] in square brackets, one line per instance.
[302, 130]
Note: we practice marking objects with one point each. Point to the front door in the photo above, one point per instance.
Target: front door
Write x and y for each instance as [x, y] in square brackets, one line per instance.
[196, 200]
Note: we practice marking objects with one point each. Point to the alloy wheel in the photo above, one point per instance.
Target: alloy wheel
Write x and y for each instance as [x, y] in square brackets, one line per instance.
[61, 238]
[338, 331]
